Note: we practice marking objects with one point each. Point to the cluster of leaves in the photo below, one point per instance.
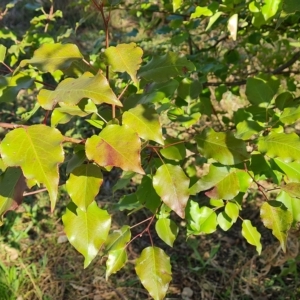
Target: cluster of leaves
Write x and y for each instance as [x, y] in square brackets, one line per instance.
[129, 99]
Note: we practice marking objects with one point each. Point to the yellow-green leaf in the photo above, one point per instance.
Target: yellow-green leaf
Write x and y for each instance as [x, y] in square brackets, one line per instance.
[117, 146]
[277, 218]
[52, 57]
[154, 270]
[86, 230]
[125, 58]
[167, 230]
[71, 91]
[172, 185]
[115, 261]
[38, 151]
[145, 121]
[83, 185]
[251, 234]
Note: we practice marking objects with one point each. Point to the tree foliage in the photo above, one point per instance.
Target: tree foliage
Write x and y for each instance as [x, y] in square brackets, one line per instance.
[137, 102]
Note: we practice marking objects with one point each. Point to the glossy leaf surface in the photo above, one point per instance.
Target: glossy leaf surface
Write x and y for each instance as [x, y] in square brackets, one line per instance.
[282, 145]
[38, 157]
[145, 121]
[83, 185]
[172, 185]
[115, 261]
[52, 57]
[154, 270]
[221, 146]
[224, 181]
[278, 220]
[167, 230]
[86, 230]
[71, 91]
[251, 234]
[118, 238]
[125, 58]
[117, 146]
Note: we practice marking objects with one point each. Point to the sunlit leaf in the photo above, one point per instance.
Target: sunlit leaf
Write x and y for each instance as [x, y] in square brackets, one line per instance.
[224, 221]
[167, 230]
[290, 115]
[52, 57]
[232, 211]
[221, 146]
[291, 169]
[125, 58]
[154, 270]
[174, 149]
[115, 261]
[201, 11]
[282, 145]
[233, 26]
[251, 234]
[224, 181]
[292, 204]
[270, 8]
[71, 91]
[145, 121]
[278, 220]
[172, 185]
[118, 238]
[2, 53]
[247, 128]
[162, 68]
[200, 220]
[176, 4]
[36, 155]
[83, 185]
[86, 230]
[292, 188]
[117, 146]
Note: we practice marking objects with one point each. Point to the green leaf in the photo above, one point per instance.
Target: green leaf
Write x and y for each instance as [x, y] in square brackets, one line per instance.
[224, 181]
[291, 169]
[261, 91]
[83, 185]
[292, 188]
[144, 120]
[36, 155]
[291, 6]
[117, 146]
[174, 149]
[232, 211]
[176, 4]
[86, 230]
[71, 91]
[270, 8]
[213, 19]
[172, 185]
[52, 57]
[2, 53]
[10, 86]
[154, 270]
[115, 261]
[292, 204]
[125, 58]
[251, 234]
[124, 180]
[129, 202]
[167, 230]
[118, 239]
[200, 220]
[201, 11]
[277, 219]
[224, 221]
[162, 68]
[245, 180]
[247, 128]
[283, 100]
[189, 89]
[282, 145]
[12, 187]
[222, 146]
[147, 195]
[290, 115]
